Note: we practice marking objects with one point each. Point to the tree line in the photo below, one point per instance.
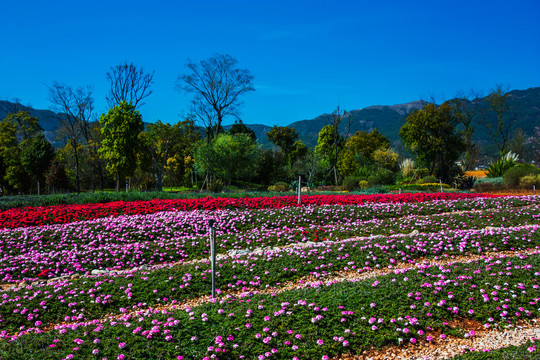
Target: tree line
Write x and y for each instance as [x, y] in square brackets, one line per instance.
[117, 148]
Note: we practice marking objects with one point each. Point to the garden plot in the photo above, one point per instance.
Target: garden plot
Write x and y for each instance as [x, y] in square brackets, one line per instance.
[359, 262]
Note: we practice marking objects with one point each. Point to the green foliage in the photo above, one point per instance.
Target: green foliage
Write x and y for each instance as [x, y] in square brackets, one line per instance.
[240, 128]
[513, 175]
[351, 182]
[357, 156]
[285, 138]
[27, 126]
[385, 158]
[120, 129]
[500, 167]
[37, 156]
[228, 157]
[520, 352]
[431, 133]
[165, 142]
[382, 177]
[280, 187]
[488, 184]
[528, 181]
[56, 178]
[428, 179]
[464, 182]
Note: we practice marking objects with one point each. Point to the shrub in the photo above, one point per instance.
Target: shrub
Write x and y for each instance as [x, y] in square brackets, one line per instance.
[488, 184]
[407, 167]
[350, 183]
[530, 180]
[363, 184]
[513, 175]
[501, 166]
[217, 186]
[281, 186]
[464, 182]
[430, 179]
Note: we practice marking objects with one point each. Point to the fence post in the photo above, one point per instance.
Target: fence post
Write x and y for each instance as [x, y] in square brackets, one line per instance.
[211, 223]
[299, 188]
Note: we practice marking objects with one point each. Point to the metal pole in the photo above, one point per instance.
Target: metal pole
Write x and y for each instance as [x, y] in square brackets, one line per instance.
[440, 182]
[299, 188]
[534, 189]
[126, 186]
[213, 254]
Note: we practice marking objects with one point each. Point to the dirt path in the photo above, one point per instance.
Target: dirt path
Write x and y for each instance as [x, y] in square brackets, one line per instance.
[452, 346]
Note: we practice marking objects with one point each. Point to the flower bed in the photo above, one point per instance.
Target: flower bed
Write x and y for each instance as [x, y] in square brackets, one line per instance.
[301, 254]
[60, 214]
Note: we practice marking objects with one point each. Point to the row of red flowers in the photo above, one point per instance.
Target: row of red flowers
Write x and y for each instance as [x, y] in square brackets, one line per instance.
[60, 214]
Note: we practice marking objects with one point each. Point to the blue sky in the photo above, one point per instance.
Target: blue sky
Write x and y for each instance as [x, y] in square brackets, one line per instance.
[306, 57]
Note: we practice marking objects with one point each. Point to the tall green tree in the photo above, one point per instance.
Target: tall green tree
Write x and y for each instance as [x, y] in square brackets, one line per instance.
[12, 171]
[285, 138]
[27, 126]
[163, 141]
[240, 128]
[229, 157]
[359, 149]
[331, 141]
[432, 134]
[37, 155]
[16, 131]
[120, 129]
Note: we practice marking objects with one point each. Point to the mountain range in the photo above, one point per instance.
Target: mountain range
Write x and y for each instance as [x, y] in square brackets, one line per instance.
[523, 111]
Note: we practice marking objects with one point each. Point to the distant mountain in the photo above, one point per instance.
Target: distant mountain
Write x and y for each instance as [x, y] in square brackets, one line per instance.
[49, 120]
[524, 107]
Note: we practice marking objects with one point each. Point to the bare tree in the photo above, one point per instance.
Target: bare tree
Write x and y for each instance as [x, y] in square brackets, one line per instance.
[127, 82]
[500, 131]
[466, 109]
[217, 85]
[75, 107]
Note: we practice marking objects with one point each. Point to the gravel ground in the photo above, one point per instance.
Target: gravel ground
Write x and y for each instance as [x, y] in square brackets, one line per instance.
[451, 346]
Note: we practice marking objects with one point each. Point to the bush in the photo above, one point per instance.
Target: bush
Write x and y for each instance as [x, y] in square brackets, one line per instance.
[363, 184]
[528, 181]
[217, 186]
[430, 179]
[513, 175]
[501, 166]
[350, 183]
[488, 184]
[281, 187]
[464, 182]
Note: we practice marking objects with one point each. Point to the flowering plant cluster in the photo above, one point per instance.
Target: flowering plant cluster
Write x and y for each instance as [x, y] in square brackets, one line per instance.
[125, 287]
[61, 214]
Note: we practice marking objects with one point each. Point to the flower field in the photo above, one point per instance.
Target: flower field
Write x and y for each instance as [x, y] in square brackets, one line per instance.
[337, 276]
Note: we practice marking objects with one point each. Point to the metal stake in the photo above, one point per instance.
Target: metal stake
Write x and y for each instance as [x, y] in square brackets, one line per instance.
[213, 254]
[299, 188]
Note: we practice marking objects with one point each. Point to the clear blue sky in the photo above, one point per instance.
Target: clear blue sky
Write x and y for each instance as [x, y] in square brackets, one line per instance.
[307, 57]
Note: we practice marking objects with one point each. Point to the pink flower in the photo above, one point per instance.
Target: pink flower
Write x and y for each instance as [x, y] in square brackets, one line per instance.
[320, 342]
[413, 340]
[121, 357]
